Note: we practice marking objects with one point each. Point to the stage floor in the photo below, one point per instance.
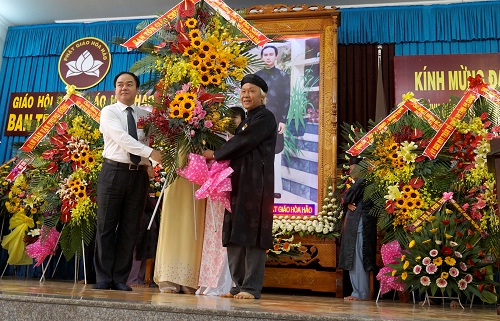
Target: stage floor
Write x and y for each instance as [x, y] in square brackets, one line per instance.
[272, 306]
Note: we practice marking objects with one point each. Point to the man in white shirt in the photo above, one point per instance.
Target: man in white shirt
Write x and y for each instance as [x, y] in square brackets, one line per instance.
[122, 185]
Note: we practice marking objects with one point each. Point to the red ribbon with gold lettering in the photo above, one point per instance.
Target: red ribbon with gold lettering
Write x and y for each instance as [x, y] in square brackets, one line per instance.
[447, 129]
[229, 14]
[381, 127]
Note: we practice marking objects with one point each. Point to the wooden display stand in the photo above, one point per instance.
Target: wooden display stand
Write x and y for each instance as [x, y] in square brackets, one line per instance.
[313, 270]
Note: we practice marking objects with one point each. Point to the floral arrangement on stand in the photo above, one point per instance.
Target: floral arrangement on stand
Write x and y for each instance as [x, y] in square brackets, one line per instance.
[198, 60]
[61, 196]
[443, 255]
[284, 247]
[407, 190]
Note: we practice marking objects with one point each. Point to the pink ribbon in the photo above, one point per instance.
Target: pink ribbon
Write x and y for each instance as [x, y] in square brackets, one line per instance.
[40, 250]
[388, 282]
[213, 177]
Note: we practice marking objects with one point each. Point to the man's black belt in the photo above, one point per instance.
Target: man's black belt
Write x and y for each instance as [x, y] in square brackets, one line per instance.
[130, 167]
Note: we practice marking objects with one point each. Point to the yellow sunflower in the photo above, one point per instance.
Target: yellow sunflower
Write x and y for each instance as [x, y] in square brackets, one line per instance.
[206, 47]
[191, 23]
[196, 42]
[195, 33]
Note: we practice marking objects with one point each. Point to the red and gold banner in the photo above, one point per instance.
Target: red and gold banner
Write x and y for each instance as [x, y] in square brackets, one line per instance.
[46, 126]
[424, 113]
[229, 14]
[139, 38]
[87, 107]
[447, 129]
[56, 115]
[436, 206]
[236, 20]
[381, 127]
[425, 215]
[468, 218]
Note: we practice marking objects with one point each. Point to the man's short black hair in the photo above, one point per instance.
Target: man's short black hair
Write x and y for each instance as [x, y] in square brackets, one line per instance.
[238, 111]
[137, 81]
[266, 47]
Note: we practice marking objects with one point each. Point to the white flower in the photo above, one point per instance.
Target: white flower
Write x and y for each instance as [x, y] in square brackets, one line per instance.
[393, 193]
[84, 64]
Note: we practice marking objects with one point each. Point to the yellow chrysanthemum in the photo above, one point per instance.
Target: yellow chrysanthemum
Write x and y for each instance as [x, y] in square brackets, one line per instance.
[412, 244]
[394, 272]
[444, 275]
[450, 261]
[434, 230]
[403, 257]
[426, 241]
[438, 261]
[406, 265]
[404, 275]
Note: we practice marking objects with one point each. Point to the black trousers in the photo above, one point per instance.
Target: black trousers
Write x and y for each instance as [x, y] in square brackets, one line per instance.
[247, 265]
[121, 198]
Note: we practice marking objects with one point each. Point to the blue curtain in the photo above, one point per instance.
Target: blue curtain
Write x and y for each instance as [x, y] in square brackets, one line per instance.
[434, 23]
[31, 57]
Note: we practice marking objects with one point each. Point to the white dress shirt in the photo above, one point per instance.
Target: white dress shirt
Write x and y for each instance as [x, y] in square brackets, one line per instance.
[118, 144]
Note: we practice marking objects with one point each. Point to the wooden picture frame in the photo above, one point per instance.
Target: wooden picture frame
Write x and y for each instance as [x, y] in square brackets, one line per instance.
[303, 20]
[316, 268]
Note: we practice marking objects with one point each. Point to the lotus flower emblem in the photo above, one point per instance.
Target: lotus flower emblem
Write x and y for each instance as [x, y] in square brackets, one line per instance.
[85, 64]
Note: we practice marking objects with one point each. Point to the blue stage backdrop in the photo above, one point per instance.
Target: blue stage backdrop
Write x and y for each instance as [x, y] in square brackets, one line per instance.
[31, 53]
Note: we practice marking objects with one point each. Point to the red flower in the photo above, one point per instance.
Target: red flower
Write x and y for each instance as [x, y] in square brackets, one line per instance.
[447, 250]
[468, 246]
[61, 128]
[52, 167]
[186, 8]
[389, 206]
[481, 287]
[470, 232]
[481, 253]
[470, 262]
[459, 234]
[484, 115]
[445, 222]
[416, 182]
[478, 274]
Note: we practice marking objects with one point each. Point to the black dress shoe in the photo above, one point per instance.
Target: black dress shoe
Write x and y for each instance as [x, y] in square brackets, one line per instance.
[102, 285]
[121, 287]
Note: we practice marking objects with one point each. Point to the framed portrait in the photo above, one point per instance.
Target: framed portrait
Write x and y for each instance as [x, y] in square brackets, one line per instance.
[300, 61]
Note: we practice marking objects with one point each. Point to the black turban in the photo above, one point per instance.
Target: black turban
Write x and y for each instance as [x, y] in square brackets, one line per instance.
[256, 80]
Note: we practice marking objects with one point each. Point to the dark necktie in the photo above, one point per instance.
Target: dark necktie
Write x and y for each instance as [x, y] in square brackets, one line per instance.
[132, 130]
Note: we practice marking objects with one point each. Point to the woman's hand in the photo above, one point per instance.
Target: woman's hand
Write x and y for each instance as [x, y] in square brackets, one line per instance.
[351, 206]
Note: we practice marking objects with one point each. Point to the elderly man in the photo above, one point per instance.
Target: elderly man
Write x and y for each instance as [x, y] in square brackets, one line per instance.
[247, 230]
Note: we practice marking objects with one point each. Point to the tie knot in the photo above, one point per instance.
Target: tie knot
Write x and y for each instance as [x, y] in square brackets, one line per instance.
[129, 109]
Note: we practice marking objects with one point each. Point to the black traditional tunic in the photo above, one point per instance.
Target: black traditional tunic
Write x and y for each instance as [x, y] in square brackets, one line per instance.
[348, 242]
[278, 97]
[251, 155]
